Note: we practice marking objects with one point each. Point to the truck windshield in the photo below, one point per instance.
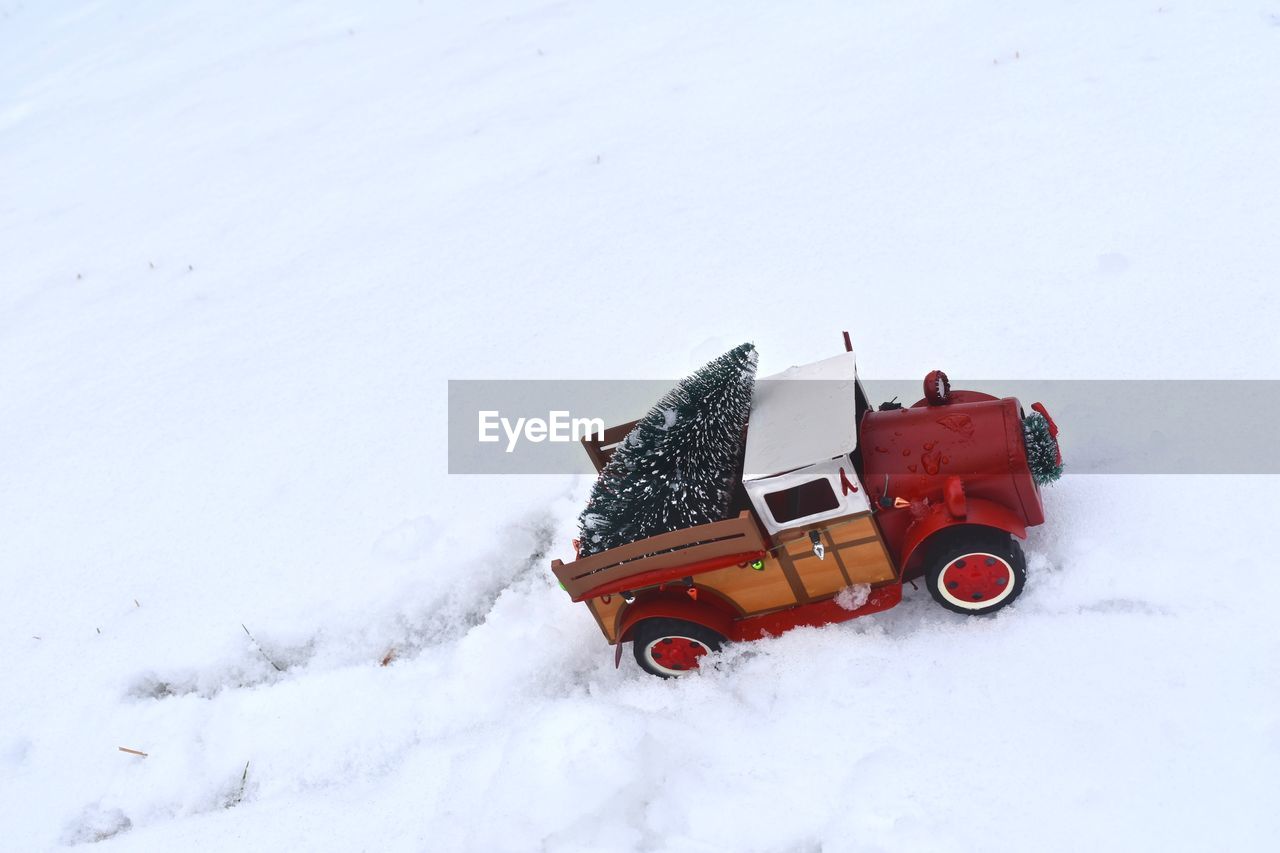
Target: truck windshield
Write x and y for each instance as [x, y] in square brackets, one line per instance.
[801, 501]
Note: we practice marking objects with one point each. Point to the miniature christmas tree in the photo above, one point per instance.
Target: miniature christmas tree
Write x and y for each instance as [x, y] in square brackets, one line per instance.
[1043, 457]
[680, 464]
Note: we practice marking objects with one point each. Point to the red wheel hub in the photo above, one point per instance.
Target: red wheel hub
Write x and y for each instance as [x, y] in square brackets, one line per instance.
[677, 653]
[975, 580]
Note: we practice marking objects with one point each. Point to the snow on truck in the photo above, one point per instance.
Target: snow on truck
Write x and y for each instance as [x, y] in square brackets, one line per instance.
[819, 515]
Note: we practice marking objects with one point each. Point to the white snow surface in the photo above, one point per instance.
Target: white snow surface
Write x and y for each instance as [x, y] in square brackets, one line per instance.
[243, 247]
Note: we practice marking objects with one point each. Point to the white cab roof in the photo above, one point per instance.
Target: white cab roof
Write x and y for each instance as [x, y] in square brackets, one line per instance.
[800, 416]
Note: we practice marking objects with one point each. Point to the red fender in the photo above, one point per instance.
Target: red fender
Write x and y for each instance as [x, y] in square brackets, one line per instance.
[674, 607]
[978, 512]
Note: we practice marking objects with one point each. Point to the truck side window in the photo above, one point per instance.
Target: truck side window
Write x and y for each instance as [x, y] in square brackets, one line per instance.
[803, 500]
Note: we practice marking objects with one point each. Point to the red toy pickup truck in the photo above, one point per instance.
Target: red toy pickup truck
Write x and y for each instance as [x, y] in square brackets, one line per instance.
[838, 505]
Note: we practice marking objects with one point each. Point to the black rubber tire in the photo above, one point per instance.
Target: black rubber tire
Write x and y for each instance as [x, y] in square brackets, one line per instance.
[985, 544]
[651, 632]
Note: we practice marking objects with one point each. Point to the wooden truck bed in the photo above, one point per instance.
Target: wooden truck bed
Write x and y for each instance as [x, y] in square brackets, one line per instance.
[717, 557]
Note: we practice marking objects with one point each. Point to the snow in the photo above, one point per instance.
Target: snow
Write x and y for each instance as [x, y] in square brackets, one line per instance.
[853, 597]
[243, 247]
[803, 415]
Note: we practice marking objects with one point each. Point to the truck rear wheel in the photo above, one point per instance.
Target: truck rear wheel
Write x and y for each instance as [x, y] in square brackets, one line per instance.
[672, 647]
[977, 573]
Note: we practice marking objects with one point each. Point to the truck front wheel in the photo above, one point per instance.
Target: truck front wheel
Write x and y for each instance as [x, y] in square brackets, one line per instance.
[977, 573]
[672, 647]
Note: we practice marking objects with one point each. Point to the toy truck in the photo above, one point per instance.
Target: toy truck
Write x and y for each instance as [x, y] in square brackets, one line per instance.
[838, 505]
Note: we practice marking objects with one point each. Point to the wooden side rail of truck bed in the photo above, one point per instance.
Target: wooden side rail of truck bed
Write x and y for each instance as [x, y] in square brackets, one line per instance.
[663, 558]
[601, 449]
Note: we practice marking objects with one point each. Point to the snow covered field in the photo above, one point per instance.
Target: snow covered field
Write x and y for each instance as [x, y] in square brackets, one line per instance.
[243, 247]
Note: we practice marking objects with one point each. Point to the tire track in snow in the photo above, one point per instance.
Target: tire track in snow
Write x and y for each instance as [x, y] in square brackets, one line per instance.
[431, 622]
[427, 624]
